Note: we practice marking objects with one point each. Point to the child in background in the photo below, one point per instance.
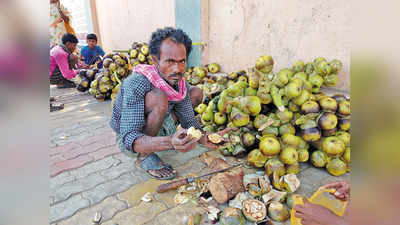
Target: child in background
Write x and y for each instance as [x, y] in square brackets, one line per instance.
[91, 53]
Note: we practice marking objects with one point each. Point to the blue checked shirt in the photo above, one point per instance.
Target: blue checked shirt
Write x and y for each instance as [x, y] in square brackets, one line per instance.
[128, 118]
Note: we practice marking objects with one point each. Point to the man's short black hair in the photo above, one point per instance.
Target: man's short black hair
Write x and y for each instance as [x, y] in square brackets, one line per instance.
[177, 35]
[91, 37]
[69, 38]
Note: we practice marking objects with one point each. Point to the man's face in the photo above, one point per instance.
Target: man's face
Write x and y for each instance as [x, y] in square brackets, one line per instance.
[91, 43]
[71, 46]
[172, 62]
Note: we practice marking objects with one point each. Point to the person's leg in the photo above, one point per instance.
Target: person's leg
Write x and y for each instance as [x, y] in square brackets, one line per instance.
[156, 108]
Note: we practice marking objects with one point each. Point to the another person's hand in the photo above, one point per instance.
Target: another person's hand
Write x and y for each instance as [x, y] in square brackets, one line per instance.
[342, 189]
[183, 142]
[205, 142]
[312, 214]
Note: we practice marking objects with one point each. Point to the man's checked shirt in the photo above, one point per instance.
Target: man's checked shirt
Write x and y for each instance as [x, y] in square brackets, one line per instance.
[128, 117]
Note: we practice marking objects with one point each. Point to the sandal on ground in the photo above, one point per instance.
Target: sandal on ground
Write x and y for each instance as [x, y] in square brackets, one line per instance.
[153, 162]
[66, 85]
[56, 107]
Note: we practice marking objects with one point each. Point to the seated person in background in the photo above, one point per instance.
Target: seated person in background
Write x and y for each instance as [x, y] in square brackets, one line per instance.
[91, 54]
[63, 62]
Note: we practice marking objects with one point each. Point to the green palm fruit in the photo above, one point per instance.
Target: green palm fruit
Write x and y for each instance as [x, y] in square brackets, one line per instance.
[248, 139]
[327, 121]
[346, 155]
[200, 71]
[265, 63]
[243, 78]
[250, 92]
[260, 120]
[319, 158]
[132, 54]
[269, 146]
[309, 68]
[307, 86]
[285, 116]
[298, 66]
[333, 146]
[310, 131]
[293, 168]
[208, 115]
[293, 89]
[293, 107]
[290, 140]
[336, 167]
[239, 119]
[343, 123]
[121, 71]
[331, 80]
[328, 104]
[301, 75]
[144, 49]
[264, 96]
[309, 107]
[277, 98]
[200, 108]
[302, 98]
[254, 77]
[256, 158]
[219, 118]
[289, 155]
[222, 80]
[344, 136]
[141, 57]
[282, 78]
[319, 59]
[236, 89]
[209, 128]
[303, 155]
[336, 65]
[213, 68]
[224, 104]
[233, 76]
[116, 57]
[323, 68]
[270, 131]
[274, 165]
[248, 104]
[287, 129]
[316, 81]
[112, 67]
[344, 108]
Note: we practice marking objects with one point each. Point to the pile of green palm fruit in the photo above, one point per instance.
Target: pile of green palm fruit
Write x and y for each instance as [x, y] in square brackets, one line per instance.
[139, 54]
[106, 82]
[279, 119]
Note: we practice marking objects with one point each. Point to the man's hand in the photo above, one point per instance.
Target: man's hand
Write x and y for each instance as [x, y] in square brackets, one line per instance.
[342, 189]
[183, 142]
[205, 142]
[312, 214]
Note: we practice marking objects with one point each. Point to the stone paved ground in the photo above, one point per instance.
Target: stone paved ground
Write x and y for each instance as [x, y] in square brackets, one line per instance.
[88, 174]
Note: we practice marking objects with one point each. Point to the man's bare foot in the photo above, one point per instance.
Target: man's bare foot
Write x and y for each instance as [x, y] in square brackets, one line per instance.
[312, 214]
[165, 172]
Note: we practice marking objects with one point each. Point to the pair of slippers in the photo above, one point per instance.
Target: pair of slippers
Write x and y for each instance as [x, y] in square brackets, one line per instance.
[153, 162]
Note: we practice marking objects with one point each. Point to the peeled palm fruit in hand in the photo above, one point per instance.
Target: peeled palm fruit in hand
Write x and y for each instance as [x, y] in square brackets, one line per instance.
[194, 133]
